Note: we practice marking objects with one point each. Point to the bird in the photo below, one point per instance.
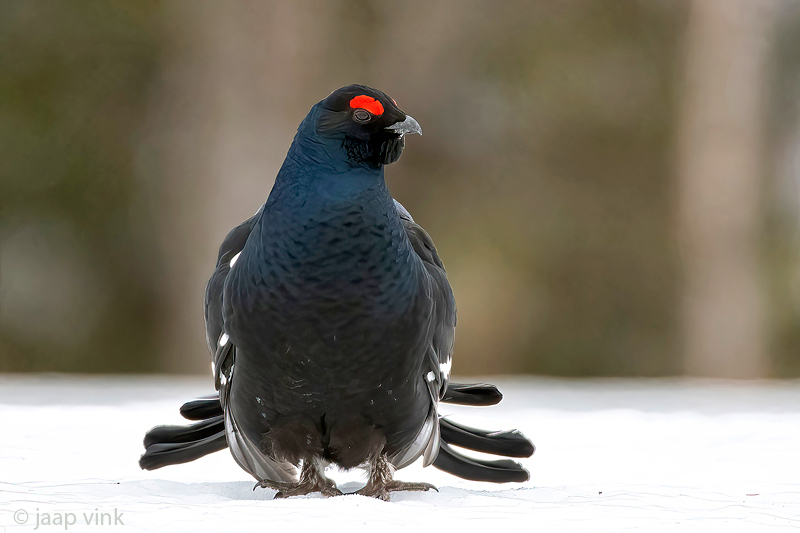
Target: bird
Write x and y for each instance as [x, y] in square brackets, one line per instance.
[331, 324]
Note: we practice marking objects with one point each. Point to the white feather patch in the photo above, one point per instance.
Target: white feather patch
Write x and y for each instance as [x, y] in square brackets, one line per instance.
[235, 258]
[223, 339]
[445, 367]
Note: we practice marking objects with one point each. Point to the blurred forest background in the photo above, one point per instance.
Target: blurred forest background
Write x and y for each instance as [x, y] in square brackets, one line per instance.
[614, 187]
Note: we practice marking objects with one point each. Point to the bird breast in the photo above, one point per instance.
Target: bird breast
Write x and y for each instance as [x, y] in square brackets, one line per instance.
[340, 260]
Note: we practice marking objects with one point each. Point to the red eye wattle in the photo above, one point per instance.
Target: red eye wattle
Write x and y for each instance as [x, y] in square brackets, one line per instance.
[363, 101]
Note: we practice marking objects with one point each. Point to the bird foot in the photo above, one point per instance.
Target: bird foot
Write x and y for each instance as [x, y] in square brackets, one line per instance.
[289, 489]
[312, 479]
[383, 490]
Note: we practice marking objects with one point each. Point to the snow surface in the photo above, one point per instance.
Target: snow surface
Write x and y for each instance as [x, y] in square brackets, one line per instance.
[612, 455]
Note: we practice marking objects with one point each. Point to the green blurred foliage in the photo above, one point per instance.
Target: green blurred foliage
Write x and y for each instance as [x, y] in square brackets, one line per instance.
[781, 233]
[73, 90]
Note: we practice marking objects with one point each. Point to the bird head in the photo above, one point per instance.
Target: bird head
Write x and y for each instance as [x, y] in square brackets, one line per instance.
[367, 122]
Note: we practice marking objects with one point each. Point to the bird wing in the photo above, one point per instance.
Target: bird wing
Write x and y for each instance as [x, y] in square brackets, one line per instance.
[440, 348]
[229, 252]
[244, 450]
[444, 304]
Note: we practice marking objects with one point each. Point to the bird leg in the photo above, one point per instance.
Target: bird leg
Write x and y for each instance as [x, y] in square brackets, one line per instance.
[381, 482]
[312, 479]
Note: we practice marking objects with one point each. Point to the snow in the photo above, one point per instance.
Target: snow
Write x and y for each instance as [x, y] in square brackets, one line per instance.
[612, 455]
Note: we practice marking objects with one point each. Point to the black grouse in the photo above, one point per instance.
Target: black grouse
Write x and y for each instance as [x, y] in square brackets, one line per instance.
[331, 323]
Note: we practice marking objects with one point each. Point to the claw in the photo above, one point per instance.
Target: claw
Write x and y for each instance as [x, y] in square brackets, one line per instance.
[381, 484]
[312, 479]
[382, 492]
[267, 484]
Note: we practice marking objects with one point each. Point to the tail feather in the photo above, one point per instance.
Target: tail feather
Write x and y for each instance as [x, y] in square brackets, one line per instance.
[509, 443]
[173, 453]
[202, 408]
[167, 445]
[501, 471]
[183, 434]
[170, 445]
[472, 394]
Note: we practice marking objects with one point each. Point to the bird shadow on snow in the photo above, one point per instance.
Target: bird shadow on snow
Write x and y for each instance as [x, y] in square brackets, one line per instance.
[243, 491]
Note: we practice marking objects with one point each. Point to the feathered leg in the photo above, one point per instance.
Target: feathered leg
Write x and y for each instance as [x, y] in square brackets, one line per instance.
[312, 479]
[381, 482]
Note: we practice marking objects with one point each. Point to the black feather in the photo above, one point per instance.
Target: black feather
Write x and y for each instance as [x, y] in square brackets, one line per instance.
[501, 471]
[509, 443]
[202, 408]
[165, 454]
[193, 432]
[472, 394]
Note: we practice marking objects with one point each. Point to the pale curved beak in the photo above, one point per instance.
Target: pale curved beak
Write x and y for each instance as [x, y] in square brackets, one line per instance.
[409, 125]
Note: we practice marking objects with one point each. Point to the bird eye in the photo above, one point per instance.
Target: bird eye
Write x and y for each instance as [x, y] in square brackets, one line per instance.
[361, 115]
